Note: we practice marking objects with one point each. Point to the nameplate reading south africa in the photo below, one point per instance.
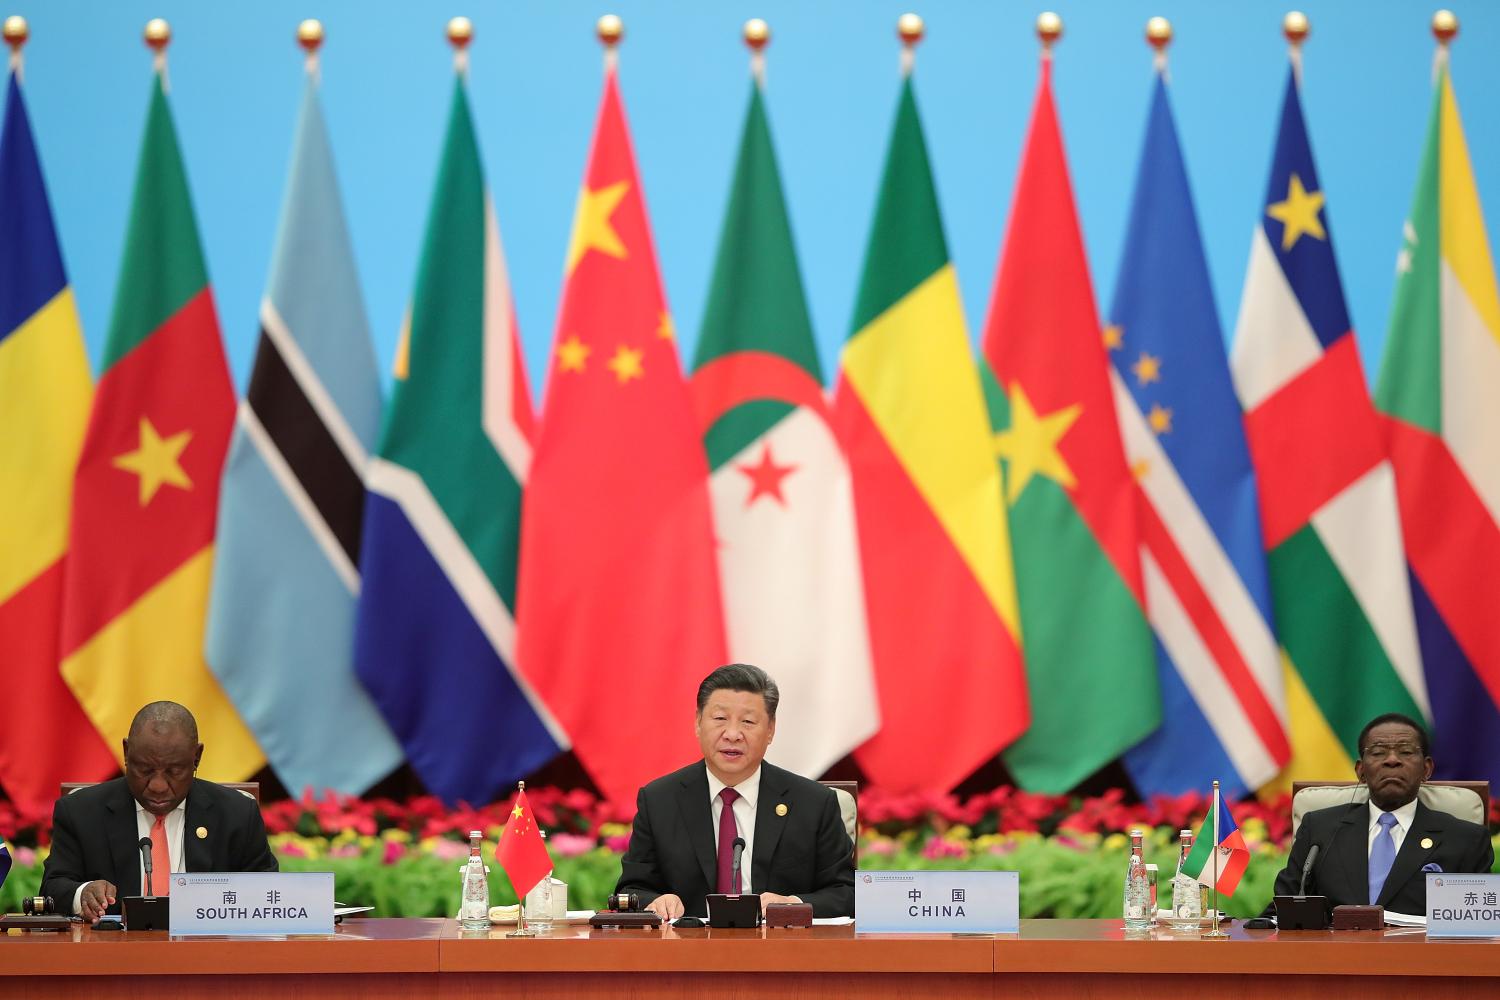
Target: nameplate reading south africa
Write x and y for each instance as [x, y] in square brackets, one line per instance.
[251, 904]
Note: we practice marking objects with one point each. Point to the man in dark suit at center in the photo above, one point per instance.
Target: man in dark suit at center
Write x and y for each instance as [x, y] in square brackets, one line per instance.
[194, 825]
[1376, 852]
[796, 847]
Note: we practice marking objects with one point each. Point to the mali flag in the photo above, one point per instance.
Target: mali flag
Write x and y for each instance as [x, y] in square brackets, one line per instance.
[618, 615]
[1070, 496]
[147, 490]
[944, 628]
[44, 403]
[1339, 589]
[1440, 387]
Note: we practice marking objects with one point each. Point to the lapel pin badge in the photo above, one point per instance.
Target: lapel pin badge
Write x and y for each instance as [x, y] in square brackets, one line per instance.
[781, 808]
[1426, 843]
[202, 833]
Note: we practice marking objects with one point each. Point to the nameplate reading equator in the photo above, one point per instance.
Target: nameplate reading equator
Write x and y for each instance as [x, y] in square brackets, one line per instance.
[937, 902]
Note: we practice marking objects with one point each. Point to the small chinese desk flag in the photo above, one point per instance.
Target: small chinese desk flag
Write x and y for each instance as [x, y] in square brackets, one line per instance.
[522, 852]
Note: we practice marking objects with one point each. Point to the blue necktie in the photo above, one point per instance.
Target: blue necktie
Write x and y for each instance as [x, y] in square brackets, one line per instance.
[1382, 855]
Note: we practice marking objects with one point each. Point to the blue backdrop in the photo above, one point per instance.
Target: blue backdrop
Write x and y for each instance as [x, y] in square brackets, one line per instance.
[236, 75]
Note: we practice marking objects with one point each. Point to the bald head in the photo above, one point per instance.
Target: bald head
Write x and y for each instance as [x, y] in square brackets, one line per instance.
[165, 717]
[161, 755]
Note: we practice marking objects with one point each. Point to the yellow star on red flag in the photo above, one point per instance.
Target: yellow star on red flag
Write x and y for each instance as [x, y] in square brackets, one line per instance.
[156, 460]
[592, 229]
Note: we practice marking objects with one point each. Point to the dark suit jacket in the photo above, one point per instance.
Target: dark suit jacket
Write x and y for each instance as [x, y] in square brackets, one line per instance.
[1342, 869]
[94, 836]
[805, 853]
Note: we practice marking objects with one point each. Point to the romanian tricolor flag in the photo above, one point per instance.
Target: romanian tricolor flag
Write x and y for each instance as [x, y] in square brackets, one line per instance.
[145, 498]
[1219, 852]
[44, 404]
[1440, 391]
[940, 596]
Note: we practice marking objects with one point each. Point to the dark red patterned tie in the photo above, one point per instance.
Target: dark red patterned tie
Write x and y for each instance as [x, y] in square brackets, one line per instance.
[727, 834]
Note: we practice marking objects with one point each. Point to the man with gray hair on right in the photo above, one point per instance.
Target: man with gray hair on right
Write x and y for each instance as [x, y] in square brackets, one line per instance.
[796, 849]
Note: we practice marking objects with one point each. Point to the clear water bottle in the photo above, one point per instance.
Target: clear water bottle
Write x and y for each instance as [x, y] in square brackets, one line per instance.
[474, 914]
[1187, 892]
[1137, 888]
[539, 900]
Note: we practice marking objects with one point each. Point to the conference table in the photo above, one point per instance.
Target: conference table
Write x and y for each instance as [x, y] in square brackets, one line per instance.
[398, 957]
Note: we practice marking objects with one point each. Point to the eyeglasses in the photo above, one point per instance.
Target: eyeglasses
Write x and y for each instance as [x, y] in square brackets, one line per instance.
[1376, 752]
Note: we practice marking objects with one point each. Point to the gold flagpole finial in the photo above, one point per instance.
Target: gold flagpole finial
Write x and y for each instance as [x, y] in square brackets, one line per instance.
[1159, 36]
[16, 32]
[1295, 27]
[460, 33]
[1049, 28]
[1444, 26]
[1159, 33]
[158, 35]
[610, 30]
[757, 35]
[910, 28]
[310, 35]
[520, 786]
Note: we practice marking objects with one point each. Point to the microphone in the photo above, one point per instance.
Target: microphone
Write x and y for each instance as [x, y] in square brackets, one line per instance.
[1312, 855]
[739, 849]
[145, 846]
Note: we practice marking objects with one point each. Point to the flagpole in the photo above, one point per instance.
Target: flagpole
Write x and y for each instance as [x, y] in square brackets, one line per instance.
[158, 36]
[460, 34]
[16, 33]
[1214, 931]
[521, 930]
[757, 35]
[310, 37]
[1295, 27]
[911, 29]
[610, 30]
[1159, 36]
[1444, 29]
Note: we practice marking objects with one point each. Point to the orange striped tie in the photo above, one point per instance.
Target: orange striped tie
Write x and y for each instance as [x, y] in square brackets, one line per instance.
[161, 858]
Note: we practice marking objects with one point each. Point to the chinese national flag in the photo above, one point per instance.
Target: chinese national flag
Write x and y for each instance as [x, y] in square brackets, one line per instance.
[618, 610]
[522, 852]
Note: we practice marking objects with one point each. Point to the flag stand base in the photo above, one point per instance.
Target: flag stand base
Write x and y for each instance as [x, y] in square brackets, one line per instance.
[521, 931]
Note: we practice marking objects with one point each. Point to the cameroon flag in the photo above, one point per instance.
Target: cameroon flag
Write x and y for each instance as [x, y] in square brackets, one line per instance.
[1070, 496]
[941, 601]
[146, 493]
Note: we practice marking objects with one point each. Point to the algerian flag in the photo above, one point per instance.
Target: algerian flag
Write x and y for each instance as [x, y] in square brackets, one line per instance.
[782, 497]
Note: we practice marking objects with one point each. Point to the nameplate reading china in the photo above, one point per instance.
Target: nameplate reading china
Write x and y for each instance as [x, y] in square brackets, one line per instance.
[1463, 906]
[251, 904]
[937, 902]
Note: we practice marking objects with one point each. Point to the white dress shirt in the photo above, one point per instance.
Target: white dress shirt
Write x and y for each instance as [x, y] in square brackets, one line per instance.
[744, 818]
[144, 821]
[1405, 816]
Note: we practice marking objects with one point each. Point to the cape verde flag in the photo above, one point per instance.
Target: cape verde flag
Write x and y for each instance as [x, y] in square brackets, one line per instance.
[1339, 586]
[1223, 704]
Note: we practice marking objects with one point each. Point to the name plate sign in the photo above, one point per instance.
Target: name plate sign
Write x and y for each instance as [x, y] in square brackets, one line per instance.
[937, 902]
[251, 904]
[1463, 906]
